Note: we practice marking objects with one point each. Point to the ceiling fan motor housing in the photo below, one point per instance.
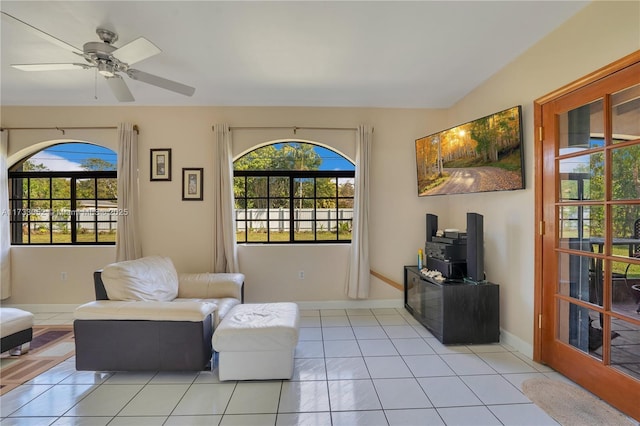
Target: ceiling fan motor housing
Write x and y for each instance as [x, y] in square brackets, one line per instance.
[100, 54]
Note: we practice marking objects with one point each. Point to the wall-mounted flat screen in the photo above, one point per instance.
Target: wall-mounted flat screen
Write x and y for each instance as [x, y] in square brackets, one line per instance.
[479, 156]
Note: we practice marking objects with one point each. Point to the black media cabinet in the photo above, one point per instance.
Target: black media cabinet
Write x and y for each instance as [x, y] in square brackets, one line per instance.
[456, 312]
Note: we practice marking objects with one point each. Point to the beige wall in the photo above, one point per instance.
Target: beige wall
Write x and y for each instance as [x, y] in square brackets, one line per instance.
[600, 34]
[184, 231]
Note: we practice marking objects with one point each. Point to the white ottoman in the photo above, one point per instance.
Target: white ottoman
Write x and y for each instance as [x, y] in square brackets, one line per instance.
[16, 330]
[257, 341]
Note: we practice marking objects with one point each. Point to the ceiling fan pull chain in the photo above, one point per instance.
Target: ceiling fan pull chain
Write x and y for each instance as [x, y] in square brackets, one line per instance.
[95, 84]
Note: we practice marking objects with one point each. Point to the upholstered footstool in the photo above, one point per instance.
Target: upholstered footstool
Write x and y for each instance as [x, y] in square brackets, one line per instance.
[257, 341]
[16, 330]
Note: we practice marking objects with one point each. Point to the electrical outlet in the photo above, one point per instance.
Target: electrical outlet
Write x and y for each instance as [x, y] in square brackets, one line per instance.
[63, 276]
[301, 275]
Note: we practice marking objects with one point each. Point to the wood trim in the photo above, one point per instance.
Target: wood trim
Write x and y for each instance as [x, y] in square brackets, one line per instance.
[386, 280]
[605, 71]
[538, 318]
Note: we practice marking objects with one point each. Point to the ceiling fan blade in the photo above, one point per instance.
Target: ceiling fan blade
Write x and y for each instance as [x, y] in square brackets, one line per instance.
[136, 51]
[183, 89]
[44, 35]
[50, 67]
[120, 89]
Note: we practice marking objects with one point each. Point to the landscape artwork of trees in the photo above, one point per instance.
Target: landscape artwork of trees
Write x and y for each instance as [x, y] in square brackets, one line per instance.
[479, 156]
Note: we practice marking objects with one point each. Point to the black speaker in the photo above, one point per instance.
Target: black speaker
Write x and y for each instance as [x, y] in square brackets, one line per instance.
[432, 226]
[475, 247]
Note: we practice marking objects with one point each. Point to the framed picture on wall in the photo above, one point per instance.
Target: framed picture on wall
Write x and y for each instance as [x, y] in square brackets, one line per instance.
[160, 164]
[192, 184]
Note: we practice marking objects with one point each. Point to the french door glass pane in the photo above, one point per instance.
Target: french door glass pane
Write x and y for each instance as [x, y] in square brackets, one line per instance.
[625, 356]
[623, 219]
[581, 128]
[624, 114]
[580, 327]
[576, 276]
[581, 227]
[582, 177]
[625, 165]
[625, 291]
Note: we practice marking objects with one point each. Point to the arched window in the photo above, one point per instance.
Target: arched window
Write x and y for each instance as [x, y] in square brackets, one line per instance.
[293, 192]
[64, 194]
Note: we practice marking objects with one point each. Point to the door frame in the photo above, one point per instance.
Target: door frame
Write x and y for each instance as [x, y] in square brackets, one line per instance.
[539, 320]
[543, 317]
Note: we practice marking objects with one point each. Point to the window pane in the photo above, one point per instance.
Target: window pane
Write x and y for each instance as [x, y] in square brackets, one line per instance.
[626, 167]
[577, 126]
[39, 188]
[86, 188]
[579, 327]
[61, 187]
[61, 232]
[256, 235]
[304, 230]
[624, 356]
[240, 204]
[625, 113]
[256, 186]
[279, 210]
[625, 291]
[303, 187]
[278, 186]
[278, 231]
[344, 230]
[582, 178]
[107, 232]
[38, 210]
[327, 229]
[581, 227]
[345, 187]
[238, 187]
[86, 233]
[107, 189]
[624, 218]
[576, 274]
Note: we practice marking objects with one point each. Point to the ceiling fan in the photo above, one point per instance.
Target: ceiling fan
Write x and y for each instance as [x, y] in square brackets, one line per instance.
[109, 61]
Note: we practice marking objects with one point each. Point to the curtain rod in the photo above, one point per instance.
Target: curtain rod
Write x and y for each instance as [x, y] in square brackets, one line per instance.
[63, 128]
[294, 128]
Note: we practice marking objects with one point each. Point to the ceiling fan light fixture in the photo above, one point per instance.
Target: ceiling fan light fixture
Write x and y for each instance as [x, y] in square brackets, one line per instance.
[106, 69]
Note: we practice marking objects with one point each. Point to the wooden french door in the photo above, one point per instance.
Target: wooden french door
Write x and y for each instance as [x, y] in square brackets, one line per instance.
[588, 249]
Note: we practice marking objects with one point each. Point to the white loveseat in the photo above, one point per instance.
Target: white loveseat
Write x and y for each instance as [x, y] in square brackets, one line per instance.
[149, 317]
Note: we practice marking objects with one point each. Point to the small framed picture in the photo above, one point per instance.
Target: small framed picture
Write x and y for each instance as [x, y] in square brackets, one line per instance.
[160, 164]
[192, 184]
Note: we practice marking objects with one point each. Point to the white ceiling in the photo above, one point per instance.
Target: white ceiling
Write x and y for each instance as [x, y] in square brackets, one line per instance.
[239, 53]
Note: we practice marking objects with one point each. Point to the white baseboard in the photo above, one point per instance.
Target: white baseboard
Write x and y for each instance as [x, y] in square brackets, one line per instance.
[39, 308]
[520, 345]
[352, 304]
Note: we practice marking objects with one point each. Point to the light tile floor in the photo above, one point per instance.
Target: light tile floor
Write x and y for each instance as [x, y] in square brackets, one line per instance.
[352, 367]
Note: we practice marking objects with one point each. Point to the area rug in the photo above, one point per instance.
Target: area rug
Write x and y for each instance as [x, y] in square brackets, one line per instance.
[570, 405]
[50, 346]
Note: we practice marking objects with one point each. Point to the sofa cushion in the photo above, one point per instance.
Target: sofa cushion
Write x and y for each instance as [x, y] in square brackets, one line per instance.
[13, 320]
[223, 305]
[149, 311]
[152, 278]
[258, 327]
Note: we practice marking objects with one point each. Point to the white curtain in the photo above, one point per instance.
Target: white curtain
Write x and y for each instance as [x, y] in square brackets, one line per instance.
[5, 234]
[225, 253]
[128, 245]
[357, 285]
